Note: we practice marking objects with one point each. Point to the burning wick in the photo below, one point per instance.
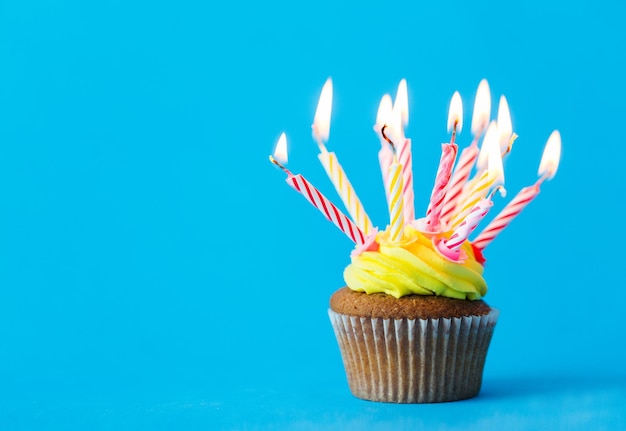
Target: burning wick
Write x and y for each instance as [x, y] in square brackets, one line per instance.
[510, 147]
[500, 189]
[382, 131]
[277, 163]
[453, 138]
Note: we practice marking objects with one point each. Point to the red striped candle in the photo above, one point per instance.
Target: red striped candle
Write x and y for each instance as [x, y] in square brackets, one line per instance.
[385, 154]
[408, 196]
[508, 213]
[458, 180]
[547, 169]
[452, 246]
[448, 156]
[315, 197]
[326, 207]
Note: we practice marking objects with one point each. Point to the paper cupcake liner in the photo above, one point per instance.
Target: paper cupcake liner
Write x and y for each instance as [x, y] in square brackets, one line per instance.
[414, 360]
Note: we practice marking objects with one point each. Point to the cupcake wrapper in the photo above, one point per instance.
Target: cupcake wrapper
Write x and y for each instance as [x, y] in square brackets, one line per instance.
[414, 360]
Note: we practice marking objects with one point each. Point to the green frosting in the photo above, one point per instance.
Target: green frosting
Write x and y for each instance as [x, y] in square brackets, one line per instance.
[413, 266]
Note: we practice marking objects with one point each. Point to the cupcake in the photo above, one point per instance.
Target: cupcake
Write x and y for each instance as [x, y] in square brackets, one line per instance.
[410, 322]
[411, 326]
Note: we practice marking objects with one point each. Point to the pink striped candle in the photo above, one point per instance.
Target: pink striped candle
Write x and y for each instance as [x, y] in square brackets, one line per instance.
[448, 156]
[492, 176]
[480, 120]
[385, 154]
[451, 248]
[326, 207]
[547, 169]
[385, 159]
[508, 213]
[399, 120]
[408, 196]
[459, 178]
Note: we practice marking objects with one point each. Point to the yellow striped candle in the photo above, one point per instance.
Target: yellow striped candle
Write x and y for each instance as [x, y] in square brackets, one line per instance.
[490, 177]
[321, 131]
[396, 201]
[345, 190]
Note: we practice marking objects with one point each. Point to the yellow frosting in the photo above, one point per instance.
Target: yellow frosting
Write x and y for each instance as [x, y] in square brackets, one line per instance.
[413, 266]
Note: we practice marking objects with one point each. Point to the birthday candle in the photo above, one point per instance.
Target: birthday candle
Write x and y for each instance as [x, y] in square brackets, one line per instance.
[315, 197]
[505, 127]
[446, 162]
[547, 169]
[455, 116]
[492, 176]
[448, 155]
[395, 203]
[396, 212]
[451, 246]
[385, 154]
[480, 119]
[400, 117]
[408, 196]
[330, 162]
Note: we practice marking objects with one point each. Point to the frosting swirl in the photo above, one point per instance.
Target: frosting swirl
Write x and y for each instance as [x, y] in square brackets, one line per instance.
[414, 266]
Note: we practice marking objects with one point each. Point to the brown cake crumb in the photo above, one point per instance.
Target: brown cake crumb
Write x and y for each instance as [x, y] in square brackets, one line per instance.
[347, 301]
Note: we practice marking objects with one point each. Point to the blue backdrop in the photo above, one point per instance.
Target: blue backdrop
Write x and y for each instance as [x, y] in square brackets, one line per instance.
[157, 273]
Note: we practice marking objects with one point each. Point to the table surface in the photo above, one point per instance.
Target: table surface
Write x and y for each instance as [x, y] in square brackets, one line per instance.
[536, 402]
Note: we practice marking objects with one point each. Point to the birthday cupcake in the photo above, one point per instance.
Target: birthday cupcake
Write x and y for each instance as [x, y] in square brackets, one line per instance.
[411, 326]
[411, 323]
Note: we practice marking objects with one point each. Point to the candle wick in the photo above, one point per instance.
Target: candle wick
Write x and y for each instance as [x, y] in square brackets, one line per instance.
[456, 123]
[318, 139]
[510, 146]
[501, 189]
[321, 145]
[542, 179]
[277, 163]
[382, 131]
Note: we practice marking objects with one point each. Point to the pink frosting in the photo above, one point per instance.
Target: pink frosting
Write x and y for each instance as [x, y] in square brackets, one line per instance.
[456, 256]
[370, 244]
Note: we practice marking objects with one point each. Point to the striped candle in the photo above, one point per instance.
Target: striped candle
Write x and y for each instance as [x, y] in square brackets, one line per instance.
[408, 197]
[446, 162]
[345, 190]
[326, 207]
[508, 213]
[458, 180]
[462, 232]
[478, 192]
[385, 154]
[314, 196]
[547, 169]
[490, 175]
[385, 159]
[396, 212]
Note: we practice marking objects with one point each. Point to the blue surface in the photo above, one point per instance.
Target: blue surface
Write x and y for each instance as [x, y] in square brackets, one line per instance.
[157, 273]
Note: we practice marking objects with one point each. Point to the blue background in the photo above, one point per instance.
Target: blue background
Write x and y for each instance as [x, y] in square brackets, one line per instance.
[157, 273]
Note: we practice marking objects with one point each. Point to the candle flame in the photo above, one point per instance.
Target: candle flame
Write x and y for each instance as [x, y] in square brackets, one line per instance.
[455, 113]
[551, 156]
[384, 112]
[482, 108]
[280, 150]
[321, 121]
[402, 102]
[505, 127]
[490, 136]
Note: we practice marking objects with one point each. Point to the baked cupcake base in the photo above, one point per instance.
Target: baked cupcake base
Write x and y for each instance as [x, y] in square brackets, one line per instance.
[412, 359]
